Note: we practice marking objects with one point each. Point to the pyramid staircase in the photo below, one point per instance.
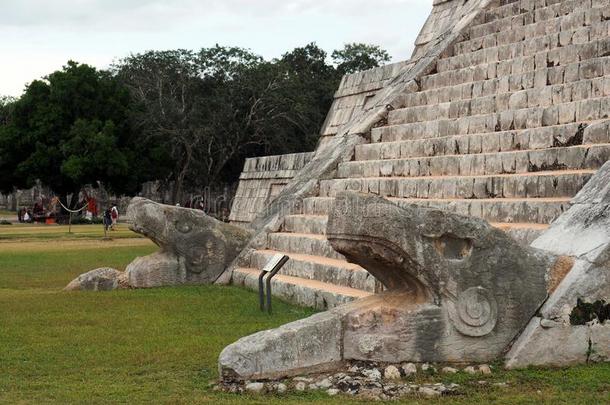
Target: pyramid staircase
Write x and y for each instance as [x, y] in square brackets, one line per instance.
[502, 129]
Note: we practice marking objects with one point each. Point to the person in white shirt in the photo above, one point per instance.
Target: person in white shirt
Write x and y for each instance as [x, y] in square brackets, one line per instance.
[114, 213]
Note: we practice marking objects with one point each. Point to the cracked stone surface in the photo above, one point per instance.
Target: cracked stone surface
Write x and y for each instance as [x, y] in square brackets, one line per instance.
[583, 233]
[102, 279]
[458, 290]
[194, 248]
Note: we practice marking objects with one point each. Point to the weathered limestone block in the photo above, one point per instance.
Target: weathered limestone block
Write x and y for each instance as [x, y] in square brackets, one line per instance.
[582, 233]
[102, 279]
[598, 132]
[261, 180]
[194, 248]
[311, 344]
[458, 290]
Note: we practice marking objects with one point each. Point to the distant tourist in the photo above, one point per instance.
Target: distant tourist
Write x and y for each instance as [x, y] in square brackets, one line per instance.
[107, 219]
[91, 207]
[27, 217]
[114, 214]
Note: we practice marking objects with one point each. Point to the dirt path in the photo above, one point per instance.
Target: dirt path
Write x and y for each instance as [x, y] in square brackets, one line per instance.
[45, 246]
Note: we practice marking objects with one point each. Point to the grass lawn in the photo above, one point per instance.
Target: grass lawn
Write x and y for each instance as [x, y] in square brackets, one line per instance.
[54, 232]
[161, 345]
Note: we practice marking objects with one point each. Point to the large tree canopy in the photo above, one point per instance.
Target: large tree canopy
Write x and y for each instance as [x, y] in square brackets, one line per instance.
[356, 57]
[185, 118]
[197, 107]
[211, 109]
[70, 129]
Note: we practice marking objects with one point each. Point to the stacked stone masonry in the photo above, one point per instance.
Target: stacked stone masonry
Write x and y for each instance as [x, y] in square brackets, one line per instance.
[509, 126]
[354, 92]
[262, 179]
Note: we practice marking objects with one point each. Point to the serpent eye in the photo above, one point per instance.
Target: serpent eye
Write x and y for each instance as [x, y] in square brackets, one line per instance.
[183, 227]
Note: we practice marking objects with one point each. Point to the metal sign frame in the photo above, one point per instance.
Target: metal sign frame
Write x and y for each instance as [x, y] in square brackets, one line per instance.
[272, 267]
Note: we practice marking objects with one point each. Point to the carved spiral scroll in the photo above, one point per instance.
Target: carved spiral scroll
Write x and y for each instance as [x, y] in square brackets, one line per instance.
[475, 312]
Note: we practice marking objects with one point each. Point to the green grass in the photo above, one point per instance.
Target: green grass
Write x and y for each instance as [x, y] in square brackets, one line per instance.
[161, 345]
[4, 214]
[50, 270]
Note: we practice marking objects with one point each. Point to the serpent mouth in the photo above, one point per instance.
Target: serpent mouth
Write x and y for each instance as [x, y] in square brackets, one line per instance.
[387, 262]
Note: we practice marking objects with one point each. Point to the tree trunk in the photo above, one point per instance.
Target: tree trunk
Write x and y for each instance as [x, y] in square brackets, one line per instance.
[178, 185]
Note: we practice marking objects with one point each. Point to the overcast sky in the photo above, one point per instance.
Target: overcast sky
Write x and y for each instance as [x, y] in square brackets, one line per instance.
[39, 36]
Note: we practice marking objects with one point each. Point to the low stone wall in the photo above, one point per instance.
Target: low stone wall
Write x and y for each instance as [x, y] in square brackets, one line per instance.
[262, 179]
[216, 200]
[7, 202]
[25, 198]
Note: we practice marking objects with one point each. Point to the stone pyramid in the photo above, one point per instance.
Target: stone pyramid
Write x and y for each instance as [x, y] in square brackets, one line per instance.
[502, 113]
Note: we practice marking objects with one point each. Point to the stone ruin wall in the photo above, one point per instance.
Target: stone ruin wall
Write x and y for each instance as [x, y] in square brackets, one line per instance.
[262, 179]
[27, 198]
[216, 199]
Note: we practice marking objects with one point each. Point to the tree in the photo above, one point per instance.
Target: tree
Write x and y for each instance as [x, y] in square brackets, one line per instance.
[6, 109]
[165, 85]
[8, 136]
[208, 110]
[357, 57]
[192, 105]
[70, 129]
[185, 118]
[211, 109]
[309, 90]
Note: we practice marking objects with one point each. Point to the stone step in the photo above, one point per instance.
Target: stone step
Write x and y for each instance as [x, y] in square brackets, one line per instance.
[502, 141]
[537, 37]
[545, 184]
[525, 234]
[302, 243]
[523, 219]
[545, 9]
[333, 271]
[583, 80]
[527, 118]
[521, 57]
[494, 210]
[526, 25]
[305, 224]
[527, 12]
[317, 206]
[506, 104]
[307, 293]
[525, 161]
[516, 71]
[516, 116]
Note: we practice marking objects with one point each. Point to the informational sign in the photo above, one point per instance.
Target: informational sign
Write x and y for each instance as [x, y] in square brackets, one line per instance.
[275, 261]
